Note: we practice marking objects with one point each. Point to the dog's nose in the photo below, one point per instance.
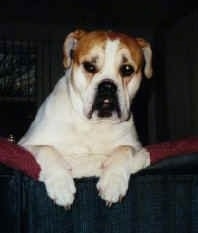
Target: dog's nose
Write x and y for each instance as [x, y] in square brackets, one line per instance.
[107, 86]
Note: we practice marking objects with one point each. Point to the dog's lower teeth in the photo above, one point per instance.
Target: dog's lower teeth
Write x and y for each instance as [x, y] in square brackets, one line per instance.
[106, 101]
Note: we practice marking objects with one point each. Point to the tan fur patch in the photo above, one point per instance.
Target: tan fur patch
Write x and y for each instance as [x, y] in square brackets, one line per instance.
[98, 38]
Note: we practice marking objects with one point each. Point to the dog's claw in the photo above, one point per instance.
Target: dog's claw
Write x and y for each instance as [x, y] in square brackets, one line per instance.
[67, 207]
[54, 201]
[108, 204]
[120, 198]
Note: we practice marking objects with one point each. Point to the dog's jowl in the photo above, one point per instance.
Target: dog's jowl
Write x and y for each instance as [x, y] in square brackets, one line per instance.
[85, 128]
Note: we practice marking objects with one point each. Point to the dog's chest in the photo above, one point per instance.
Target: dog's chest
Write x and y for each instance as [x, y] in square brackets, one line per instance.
[85, 149]
[93, 139]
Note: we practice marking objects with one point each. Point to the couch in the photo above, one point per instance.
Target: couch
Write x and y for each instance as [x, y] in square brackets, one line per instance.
[162, 198]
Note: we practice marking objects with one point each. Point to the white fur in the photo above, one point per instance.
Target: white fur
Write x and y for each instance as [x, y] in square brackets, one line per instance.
[67, 144]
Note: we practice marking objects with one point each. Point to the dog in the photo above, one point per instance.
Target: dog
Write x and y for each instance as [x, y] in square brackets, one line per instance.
[85, 127]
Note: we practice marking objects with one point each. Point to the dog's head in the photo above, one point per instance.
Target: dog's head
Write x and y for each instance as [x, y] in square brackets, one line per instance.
[106, 70]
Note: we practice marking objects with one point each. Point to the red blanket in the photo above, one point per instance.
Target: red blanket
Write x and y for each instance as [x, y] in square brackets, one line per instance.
[16, 157]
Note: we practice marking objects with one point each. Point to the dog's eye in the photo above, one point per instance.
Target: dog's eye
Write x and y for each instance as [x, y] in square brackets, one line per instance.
[126, 70]
[89, 67]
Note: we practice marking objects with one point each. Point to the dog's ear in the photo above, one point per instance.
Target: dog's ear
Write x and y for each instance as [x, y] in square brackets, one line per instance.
[69, 46]
[146, 48]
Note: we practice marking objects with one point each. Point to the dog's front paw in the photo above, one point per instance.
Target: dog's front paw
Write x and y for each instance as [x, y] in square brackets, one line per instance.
[113, 184]
[60, 188]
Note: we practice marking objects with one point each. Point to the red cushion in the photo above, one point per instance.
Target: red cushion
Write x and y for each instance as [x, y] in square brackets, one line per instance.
[14, 156]
[172, 148]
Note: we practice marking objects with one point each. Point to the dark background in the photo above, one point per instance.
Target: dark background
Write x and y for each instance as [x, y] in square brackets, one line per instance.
[89, 13]
[165, 107]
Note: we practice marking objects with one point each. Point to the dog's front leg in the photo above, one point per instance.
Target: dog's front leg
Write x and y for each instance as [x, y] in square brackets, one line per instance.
[56, 174]
[117, 168]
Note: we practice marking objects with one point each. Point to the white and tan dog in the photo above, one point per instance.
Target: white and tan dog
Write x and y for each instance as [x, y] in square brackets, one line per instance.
[85, 127]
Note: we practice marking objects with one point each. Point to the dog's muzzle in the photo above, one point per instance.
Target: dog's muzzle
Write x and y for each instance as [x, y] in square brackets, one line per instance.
[106, 100]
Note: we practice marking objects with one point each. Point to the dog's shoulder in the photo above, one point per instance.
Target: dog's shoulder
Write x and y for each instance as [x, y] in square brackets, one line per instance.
[50, 116]
[56, 99]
